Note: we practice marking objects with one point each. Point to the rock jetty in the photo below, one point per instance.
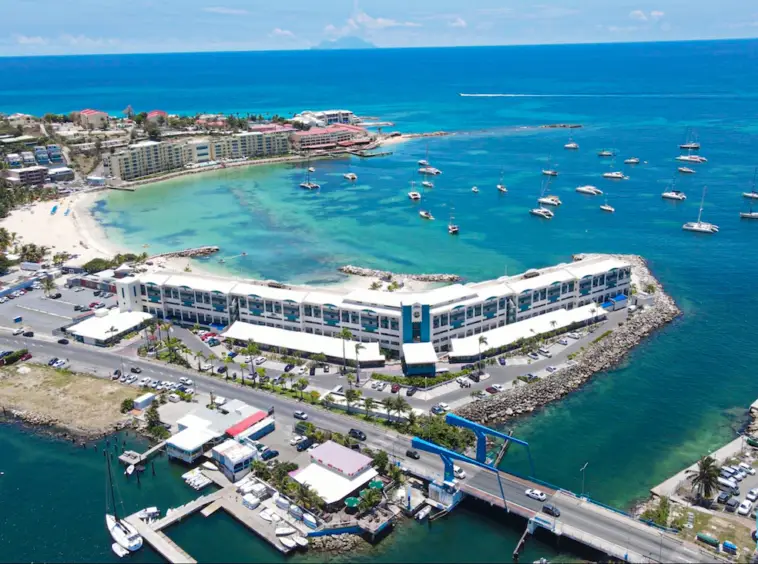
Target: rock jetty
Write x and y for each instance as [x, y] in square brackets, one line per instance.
[386, 275]
[338, 543]
[600, 356]
[188, 253]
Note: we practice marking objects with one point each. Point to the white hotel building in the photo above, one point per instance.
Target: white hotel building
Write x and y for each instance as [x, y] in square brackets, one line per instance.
[386, 319]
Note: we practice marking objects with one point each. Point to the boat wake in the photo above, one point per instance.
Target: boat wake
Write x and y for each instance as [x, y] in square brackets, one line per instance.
[609, 95]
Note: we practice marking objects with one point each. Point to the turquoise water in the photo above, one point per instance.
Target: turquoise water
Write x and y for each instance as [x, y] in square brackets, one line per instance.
[676, 397]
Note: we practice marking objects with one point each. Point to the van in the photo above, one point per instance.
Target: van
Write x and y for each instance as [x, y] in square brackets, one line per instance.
[544, 352]
[728, 469]
[443, 370]
[728, 485]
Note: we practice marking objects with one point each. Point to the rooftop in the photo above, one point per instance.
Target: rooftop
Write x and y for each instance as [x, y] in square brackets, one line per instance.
[331, 486]
[246, 423]
[419, 353]
[90, 112]
[233, 451]
[115, 323]
[340, 459]
[192, 438]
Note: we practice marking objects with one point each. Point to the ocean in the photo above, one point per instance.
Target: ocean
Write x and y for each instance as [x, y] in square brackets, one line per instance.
[676, 397]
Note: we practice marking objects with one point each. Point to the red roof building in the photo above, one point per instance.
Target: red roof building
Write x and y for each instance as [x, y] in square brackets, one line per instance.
[154, 115]
[246, 423]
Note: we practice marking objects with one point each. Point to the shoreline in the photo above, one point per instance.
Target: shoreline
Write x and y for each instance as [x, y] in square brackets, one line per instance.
[598, 357]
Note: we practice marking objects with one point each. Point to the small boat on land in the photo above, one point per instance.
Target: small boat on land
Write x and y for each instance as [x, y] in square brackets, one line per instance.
[674, 195]
[265, 515]
[605, 153]
[424, 513]
[542, 212]
[302, 542]
[685, 170]
[633, 160]
[119, 550]
[571, 145]
[289, 543]
[590, 190]
[425, 214]
[284, 531]
[700, 226]
[415, 196]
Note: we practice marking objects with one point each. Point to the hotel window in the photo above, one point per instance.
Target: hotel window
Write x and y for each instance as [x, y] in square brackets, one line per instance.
[345, 317]
[470, 312]
[142, 289]
[354, 318]
[543, 294]
[436, 322]
[269, 308]
[308, 310]
[501, 303]
[478, 310]
[602, 279]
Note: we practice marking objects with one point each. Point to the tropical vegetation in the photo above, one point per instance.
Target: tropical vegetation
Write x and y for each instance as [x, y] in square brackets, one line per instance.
[704, 478]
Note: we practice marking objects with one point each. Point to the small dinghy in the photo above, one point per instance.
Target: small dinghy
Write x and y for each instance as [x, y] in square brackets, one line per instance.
[119, 550]
[284, 531]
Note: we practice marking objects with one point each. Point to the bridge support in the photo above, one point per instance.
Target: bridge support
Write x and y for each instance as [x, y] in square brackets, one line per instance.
[521, 542]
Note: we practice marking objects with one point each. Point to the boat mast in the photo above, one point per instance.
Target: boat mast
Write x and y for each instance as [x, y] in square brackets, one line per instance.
[702, 201]
[110, 484]
[755, 171]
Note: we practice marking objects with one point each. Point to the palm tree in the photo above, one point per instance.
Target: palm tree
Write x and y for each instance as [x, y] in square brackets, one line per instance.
[48, 285]
[227, 360]
[302, 383]
[401, 406]
[369, 404]
[350, 380]
[260, 374]
[482, 341]
[328, 398]
[704, 478]
[251, 349]
[196, 328]
[358, 347]
[211, 358]
[243, 365]
[198, 357]
[346, 335]
[306, 496]
[260, 469]
[389, 406]
[172, 344]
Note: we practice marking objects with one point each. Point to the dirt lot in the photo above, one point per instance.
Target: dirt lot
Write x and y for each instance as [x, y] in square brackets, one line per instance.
[77, 402]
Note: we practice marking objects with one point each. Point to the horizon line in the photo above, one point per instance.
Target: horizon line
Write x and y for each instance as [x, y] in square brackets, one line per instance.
[378, 48]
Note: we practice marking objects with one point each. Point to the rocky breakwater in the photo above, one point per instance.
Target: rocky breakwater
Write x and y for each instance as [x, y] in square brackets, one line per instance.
[386, 275]
[598, 356]
[338, 543]
[188, 253]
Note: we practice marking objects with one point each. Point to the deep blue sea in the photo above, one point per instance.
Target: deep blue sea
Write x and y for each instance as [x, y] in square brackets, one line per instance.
[679, 395]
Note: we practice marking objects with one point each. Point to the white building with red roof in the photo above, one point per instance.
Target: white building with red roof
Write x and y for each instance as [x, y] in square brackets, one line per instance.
[156, 115]
[327, 137]
[93, 119]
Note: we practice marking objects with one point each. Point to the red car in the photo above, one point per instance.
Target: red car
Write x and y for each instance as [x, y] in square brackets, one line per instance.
[492, 390]
[395, 388]
[27, 356]
[93, 304]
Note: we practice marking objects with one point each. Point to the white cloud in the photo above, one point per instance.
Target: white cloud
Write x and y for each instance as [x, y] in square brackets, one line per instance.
[656, 14]
[360, 22]
[86, 41]
[279, 32]
[638, 15]
[30, 40]
[226, 11]
[458, 22]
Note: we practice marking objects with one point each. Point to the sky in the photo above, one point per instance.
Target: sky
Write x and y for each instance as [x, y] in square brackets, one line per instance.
[56, 27]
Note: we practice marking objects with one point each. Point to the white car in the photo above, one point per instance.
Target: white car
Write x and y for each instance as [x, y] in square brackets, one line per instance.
[498, 387]
[374, 384]
[313, 446]
[260, 360]
[563, 342]
[747, 468]
[752, 494]
[301, 370]
[745, 507]
[535, 494]
[19, 331]
[381, 386]
[575, 335]
[145, 381]
[296, 439]
[551, 369]
[182, 380]
[60, 363]
[442, 405]
[459, 472]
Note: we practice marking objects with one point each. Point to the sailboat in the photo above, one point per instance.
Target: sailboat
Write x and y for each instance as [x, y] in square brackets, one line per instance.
[691, 142]
[501, 187]
[452, 228]
[349, 175]
[307, 184]
[549, 171]
[425, 161]
[122, 532]
[571, 145]
[699, 225]
[413, 195]
[548, 199]
[614, 174]
[606, 207]
[753, 195]
[541, 211]
[749, 214]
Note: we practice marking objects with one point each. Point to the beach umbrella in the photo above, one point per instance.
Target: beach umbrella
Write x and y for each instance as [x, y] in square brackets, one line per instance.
[352, 502]
[376, 485]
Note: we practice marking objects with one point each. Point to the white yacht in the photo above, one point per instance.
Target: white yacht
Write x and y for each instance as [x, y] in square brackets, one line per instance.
[685, 170]
[427, 184]
[308, 185]
[753, 195]
[475, 190]
[550, 200]
[749, 214]
[633, 160]
[571, 145]
[350, 176]
[423, 162]
[311, 169]
[119, 550]
[425, 214]
[605, 153]
[415, 196]
[607, 207]
[701, 226]
[502, 188]
[122, 532]
[542, 212]
[452, 228]
[615, 175]
[674, 195]
[549, 172]
[691, 144]
[429, 170]
[590, 190]
[690, 158]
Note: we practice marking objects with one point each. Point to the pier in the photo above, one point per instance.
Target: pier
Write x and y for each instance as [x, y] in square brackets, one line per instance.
[130, 457]
[160, 542]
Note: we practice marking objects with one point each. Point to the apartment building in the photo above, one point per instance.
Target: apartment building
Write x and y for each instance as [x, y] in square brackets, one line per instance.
[28, 176]
[92, 119]
[146, 158]
[326, 137]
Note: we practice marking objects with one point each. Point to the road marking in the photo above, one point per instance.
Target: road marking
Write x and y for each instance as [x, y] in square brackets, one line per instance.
[45, 312]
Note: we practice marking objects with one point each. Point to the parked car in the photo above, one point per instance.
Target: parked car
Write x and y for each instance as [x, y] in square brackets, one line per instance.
[136, 370]
[326, 368]
[747, 468]
[498, 387]
[62, 341]
[563, 342]
[302, 415]
[501, 360]
[381, 386]
[732, 505]
[60, 363]
[93, 304]
[145, 381]
[289, 367]
[97, 293]
[260, 360]
[410, 453]
[575, 335]
[412, 390]
[551, 509]
[474, 376]
[28, 333]
[52, 361]
[19, 331]
[221, 369]
[27, 356]
[213, 342]
[724, 497]
[232, 354]
[55, 296]
[491, 389]
[304, 445]
[535, 494]
[745, 507]
[301, 370]
[531, 377]
[551, 369]
[296, 439]
[752, 494]
[78, 307]
[357, 434]
[314, 446]
[533, 356]
[395, 388]
[269, 454]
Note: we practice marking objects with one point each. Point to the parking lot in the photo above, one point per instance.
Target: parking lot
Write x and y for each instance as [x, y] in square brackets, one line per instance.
[42, 314]
[748, 487]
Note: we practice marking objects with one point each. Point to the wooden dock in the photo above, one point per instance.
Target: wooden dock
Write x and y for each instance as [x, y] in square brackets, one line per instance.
[160, 542]
[130, 457]
[186, 510]
[253, 521]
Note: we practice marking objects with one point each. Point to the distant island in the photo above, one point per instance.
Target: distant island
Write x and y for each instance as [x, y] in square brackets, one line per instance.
[345, 43]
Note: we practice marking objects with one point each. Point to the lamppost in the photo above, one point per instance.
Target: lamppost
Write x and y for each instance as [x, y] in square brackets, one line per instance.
[582, 469]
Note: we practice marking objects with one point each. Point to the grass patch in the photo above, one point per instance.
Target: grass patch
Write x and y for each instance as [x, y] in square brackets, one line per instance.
[602, 336]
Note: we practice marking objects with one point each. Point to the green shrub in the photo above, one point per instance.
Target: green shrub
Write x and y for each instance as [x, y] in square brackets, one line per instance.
[14, 356]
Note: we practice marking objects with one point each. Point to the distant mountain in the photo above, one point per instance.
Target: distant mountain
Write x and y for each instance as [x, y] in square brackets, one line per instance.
[345, 43]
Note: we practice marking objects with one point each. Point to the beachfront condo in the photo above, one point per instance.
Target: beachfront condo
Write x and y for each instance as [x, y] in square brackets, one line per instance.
[327, 137]
[458, 313]
[146, 158]
[92, 119]
[326, 117]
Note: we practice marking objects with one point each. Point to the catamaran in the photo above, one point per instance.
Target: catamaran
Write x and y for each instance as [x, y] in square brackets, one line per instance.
[674, 195]
[429, 170]
[307, 184]
[590, 190]
[753, 195]
[542, 212]
[125, 535]
[701, 226]
[549, 199]
[690, 158]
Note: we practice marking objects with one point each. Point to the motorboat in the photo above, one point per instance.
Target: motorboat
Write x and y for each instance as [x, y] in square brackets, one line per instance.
[691, 144]
[700, 226]
[502, 188]
[542, 212]
[129, 470]
[301, 541]
[633, 160]
[122, 532]
[350, 176]
[287, 542]
[685, 170]
[427, 184]
[284, 530]
[423, 162]
[119, 550]
[415, 196]
[605, 153]
[265, 515]
[571, 145]
[475, 190]
[550, 200]
[615, 175]
[590, 190]
[549, 172]
[608, 208]
[311, 169]
[429, 170]
[425, 214]
[452, 228]
[424, 513]
[674, 195]
[148, 513]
